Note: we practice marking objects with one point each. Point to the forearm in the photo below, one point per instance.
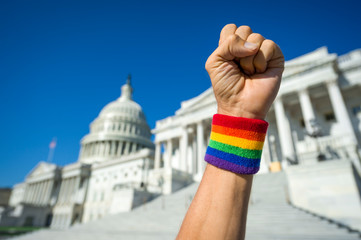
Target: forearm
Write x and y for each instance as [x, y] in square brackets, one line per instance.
[219, 208]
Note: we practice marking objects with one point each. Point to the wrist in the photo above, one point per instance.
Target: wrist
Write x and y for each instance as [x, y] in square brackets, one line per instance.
[236, 143]
[241, 113]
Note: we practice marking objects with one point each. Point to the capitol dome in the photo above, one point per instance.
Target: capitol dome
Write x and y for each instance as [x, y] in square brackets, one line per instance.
[120, 129]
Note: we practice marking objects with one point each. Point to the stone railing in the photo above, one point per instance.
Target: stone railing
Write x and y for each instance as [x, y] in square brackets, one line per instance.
[335, 143]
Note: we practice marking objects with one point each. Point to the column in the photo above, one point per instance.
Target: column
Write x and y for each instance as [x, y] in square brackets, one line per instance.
[96, 148]
[31, 193]
[194, 154]
[107, 146]
[101, 149]
[120, 148]
[113, 148]
[157, 155]
[168, 160]
[76, 188]
[200, 148]
[64, 189]
[41, 193]
[134, 147]
[339, 108]
[177, 164]
[38, 193]
[284, 131]
[266, 156]
[27, 193]
[36, 189]
[341, 114]
[183, 150]
[307, 109]
[48, 191]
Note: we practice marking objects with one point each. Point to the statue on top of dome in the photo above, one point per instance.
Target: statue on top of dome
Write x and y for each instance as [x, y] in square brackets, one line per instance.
[127, 90]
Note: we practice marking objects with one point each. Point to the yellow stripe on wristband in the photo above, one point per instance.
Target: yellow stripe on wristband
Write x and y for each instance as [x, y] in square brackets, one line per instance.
[237, 142]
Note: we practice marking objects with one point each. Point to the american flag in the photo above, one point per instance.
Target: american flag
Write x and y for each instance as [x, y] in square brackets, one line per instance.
[52, 144]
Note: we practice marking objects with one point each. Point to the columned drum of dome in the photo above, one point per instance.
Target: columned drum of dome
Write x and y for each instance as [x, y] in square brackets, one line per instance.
[120, 129]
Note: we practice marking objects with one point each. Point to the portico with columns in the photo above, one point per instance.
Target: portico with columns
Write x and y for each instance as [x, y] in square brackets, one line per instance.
[72, 194]
[34, 199]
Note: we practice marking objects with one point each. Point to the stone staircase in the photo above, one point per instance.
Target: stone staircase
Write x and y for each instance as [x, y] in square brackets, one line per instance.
[270, 217]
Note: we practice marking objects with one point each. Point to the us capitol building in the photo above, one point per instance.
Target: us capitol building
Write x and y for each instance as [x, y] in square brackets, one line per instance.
[315, 118]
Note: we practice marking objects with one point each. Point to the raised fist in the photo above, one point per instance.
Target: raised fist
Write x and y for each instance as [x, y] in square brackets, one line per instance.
[245, 71]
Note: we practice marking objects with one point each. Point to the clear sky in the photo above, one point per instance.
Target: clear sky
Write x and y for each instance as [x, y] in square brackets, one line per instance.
[62, 61]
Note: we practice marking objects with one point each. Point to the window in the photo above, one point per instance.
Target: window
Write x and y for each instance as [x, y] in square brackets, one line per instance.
[330, 117]
[116, 147]
[356, 110]
[110, 147]
[302, 123]
[123, 148]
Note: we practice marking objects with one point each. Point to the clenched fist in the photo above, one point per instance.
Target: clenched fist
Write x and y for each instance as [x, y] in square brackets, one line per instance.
[245, 71]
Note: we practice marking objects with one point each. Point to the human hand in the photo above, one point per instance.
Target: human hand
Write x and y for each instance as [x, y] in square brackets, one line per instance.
[245, 71]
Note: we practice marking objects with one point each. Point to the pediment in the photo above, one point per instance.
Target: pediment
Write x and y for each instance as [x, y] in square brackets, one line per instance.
[204, 99]
[41, 168]
[308, 61]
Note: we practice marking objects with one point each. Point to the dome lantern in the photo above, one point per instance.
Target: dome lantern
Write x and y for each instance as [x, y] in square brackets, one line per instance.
[127, 90]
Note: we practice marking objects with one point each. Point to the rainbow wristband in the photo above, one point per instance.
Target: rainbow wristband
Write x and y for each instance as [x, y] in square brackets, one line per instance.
[236, 143]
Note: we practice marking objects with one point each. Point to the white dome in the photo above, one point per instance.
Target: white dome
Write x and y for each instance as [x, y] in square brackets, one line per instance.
[121, 128]
[123, 107]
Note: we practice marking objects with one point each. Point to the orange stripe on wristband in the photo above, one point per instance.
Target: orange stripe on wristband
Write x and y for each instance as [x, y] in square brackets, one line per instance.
[250, 135]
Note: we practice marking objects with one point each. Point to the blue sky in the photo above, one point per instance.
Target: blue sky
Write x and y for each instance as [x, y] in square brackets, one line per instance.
[62, 61]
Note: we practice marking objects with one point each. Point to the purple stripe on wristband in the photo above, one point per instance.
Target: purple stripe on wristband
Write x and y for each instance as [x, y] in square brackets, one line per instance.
[220, 163]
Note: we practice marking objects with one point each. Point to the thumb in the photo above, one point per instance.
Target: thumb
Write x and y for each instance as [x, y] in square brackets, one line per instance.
[235, 47]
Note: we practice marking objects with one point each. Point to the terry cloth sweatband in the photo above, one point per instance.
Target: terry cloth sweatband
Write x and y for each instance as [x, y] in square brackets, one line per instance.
[236, 143]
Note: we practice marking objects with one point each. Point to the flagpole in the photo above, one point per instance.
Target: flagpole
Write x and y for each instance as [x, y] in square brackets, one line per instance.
[52, 146]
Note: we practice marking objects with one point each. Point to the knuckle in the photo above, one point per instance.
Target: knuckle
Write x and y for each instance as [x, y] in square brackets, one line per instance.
[256, 36]
[230, 25]
[245, 28]
[269, 43]
[231, 39]
[208, 64]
